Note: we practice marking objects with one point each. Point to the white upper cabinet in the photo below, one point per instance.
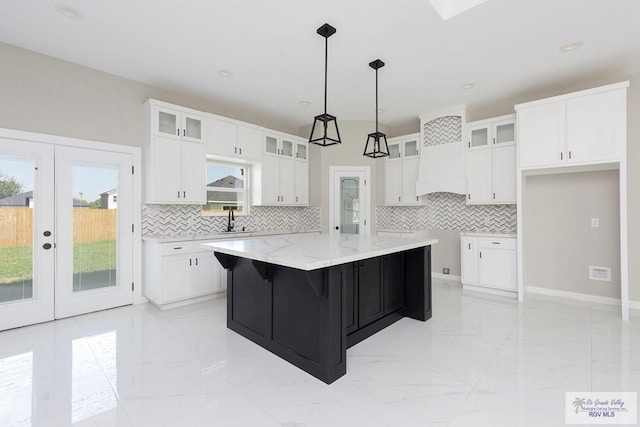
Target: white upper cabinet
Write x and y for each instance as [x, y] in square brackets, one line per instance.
[233, 140]
[282, 178]
[175, 155]
[587, 127]
[178, 124]
[491, 161]
[401, 171]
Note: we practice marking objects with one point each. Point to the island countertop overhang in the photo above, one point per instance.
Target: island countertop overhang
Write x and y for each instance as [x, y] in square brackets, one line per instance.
[312, 252]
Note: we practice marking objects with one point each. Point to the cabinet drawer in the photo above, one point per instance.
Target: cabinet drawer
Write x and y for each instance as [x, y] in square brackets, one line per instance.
[176, 248]
[497, 243]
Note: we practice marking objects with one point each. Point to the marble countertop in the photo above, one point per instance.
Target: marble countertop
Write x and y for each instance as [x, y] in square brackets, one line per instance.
[313, 251]
[486, 234]
[220, 235]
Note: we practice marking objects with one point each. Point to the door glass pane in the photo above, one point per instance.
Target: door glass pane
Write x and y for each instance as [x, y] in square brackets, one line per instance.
[411, 148]
[167, 123]
[505, 133]
[16, 228]
[95, 208]
[479, 137]
[193, 128]
[302, 151]
[349, 206]
[287, 148]
[394, 151]
[271, 145]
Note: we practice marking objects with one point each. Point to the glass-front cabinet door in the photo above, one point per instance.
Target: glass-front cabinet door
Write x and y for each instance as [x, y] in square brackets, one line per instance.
[301, 151]
[286, 148]
[166, 122]
[271, 145]
[504, 132]
[479, 137]
[411, 148]
[394, 150]
[193, 128]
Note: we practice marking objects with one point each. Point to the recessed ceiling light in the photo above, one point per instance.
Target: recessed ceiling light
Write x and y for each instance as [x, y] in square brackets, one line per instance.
[305, 103]
[468, 86]
[571, 47]
[225, 73]
[68, 11]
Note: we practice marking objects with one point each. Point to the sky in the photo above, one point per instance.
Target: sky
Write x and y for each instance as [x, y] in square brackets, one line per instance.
[90, 180]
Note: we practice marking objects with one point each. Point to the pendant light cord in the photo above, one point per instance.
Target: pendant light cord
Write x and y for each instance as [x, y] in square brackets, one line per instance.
[326, 59]
[376, 101]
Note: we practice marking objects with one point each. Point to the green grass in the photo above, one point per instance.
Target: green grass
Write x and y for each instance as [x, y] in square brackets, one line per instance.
[15, 262]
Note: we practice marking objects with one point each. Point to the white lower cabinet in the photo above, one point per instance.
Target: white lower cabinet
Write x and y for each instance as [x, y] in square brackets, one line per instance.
[488, 261]
[179, 271]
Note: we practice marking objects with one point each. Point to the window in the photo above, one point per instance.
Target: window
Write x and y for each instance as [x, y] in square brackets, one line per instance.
[226, 188]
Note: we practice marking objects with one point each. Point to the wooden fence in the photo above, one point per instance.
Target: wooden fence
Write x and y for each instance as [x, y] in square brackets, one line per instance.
[89, 225]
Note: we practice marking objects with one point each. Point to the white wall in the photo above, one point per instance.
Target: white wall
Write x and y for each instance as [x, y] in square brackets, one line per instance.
[42, 94]
[560, 243]
[354, 137]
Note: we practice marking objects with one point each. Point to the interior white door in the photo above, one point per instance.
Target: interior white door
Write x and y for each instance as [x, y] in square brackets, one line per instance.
[94, 230]
[349, 200]
[26, 233]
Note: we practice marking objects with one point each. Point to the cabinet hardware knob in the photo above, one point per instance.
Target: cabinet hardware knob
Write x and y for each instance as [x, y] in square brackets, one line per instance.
[569, 155]
[184, 194]
[560, 155]
[469, 246]
[494, 140]
[178, 247]
[196, 261]
[494, 196]
[184, 132]
[239, 150]
[178, 194]
[480, 254]
[235, 150]
[495, 243]
[399, 199]
[190, 262]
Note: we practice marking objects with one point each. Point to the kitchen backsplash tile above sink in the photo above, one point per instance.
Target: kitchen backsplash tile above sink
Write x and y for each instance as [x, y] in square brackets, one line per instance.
[162, 220]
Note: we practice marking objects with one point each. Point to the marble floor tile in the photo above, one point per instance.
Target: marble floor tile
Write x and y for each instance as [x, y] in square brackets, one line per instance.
[482, 360]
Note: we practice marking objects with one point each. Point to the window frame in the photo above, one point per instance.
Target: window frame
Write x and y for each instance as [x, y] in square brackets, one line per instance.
[245, 203]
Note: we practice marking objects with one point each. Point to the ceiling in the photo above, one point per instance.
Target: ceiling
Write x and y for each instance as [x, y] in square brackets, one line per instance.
[507, 48]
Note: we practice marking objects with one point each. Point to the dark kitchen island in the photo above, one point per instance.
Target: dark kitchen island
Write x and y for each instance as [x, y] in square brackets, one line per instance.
[307, 298]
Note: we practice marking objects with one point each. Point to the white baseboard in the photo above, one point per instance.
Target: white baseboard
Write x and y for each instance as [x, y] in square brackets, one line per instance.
[493, 291]
[578, 296]
[445, 276]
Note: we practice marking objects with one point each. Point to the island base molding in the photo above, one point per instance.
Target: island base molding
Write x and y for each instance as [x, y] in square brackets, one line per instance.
[310, 318]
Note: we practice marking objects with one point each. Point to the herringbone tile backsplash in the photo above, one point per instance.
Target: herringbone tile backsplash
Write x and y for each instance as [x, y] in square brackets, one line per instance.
[447, 211]
[162, 220]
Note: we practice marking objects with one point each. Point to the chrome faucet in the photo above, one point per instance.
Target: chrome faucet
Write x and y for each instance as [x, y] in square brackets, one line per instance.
[231, 220]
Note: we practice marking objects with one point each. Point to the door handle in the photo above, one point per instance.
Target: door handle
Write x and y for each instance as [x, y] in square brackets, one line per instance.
[337, 228]
[47, 233]
[47, 246]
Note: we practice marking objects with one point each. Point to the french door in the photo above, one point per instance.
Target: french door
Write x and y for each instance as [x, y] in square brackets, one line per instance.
[66, 244]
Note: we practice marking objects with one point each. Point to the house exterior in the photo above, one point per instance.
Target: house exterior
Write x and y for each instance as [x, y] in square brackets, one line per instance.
[109, 199]
[24, 199]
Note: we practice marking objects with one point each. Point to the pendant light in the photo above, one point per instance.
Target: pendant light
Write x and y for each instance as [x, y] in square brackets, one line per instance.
[376, 142]
[325, 126]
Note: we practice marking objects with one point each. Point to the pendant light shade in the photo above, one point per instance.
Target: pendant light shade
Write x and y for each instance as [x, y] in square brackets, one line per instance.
[325, 131]
[377, 141]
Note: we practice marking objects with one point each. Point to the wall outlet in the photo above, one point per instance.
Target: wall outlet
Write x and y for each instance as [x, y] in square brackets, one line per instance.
[599, 273]
[445, 270]
[595, 222]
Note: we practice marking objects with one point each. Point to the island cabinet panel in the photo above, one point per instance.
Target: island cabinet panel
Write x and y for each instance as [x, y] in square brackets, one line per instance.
[370, 291]
[311, 317]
